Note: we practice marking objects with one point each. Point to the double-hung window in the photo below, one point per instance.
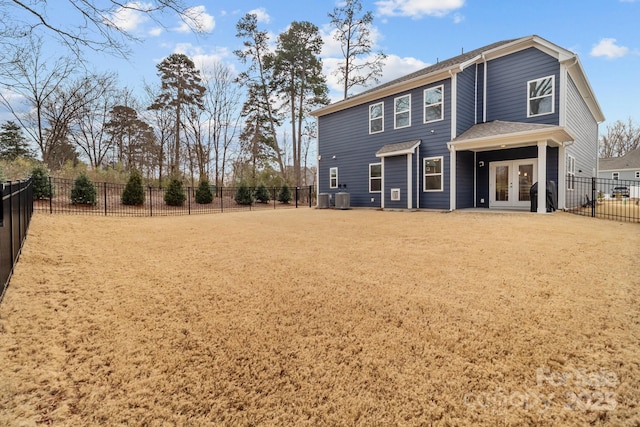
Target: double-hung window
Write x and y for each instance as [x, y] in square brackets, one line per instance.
[432, 174]
[540, 96]
[376, 117]
[433, 104]
[571, 172]
[333, 178]
[402, 112]
[375, 177]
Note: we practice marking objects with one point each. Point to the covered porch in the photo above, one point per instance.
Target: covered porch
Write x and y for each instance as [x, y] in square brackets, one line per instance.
[496, 163]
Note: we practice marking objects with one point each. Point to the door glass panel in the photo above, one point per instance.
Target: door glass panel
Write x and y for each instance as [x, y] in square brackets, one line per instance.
[502, 183]
[525, 181]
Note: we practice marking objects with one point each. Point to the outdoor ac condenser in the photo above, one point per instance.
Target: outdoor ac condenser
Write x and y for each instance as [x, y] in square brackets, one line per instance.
[343, 201]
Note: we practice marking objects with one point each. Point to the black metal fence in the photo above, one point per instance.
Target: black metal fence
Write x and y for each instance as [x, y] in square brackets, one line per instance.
[605, 198]
[109, 200]
[15, 214]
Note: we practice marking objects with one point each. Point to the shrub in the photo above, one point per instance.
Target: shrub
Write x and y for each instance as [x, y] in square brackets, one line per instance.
[174, 196]
[83, 191]
[262, 194]
[243, 195]
[41, 187]
[285, 194]
[133, 194]
[203, 193]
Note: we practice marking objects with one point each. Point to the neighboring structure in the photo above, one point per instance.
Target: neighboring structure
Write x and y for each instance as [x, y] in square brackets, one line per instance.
[625, 167]
[505, 116]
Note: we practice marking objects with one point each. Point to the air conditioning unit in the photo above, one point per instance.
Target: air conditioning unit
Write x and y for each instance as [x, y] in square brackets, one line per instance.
[343, 201]
[323, 200]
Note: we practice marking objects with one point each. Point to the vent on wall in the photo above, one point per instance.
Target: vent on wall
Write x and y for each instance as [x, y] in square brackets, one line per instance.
[395, 194]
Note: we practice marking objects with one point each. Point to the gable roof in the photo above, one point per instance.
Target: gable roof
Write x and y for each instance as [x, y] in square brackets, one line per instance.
[631, 160]
[398, 148]
[444, 69]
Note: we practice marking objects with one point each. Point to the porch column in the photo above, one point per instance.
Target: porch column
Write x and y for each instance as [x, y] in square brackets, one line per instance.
[452, 178]
[382, 189]
[409, 181]
[542, 176]
[562, 177]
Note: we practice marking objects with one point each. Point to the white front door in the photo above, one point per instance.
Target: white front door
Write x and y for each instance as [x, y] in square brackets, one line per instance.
[510, 183]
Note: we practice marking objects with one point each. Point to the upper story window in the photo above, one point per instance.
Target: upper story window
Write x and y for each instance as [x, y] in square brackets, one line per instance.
[376, 117]
[540, 96]
[433, 104]
[402, 112]
[432, 174]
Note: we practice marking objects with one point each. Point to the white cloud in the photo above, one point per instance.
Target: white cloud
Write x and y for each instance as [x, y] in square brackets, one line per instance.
[196, 18]
[458, 18]
[417, 8]
[203, 59]
[609, 49]
[130, 16]
[261, 14]
[155, 32]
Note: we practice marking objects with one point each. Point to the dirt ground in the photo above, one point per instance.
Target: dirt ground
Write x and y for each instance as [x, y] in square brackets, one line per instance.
[323, 317]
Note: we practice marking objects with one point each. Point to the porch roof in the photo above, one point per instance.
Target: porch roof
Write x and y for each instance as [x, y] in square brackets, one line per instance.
[500, 134]
[398, 148]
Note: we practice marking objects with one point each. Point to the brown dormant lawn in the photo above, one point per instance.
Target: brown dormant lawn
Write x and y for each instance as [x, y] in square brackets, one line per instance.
[323, 318]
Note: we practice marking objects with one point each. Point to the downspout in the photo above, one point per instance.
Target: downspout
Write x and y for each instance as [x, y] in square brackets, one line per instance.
[484, 91]
[418, 178]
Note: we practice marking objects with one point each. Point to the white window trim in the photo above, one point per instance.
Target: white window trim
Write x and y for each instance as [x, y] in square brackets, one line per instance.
[553, 96]
[381, 117]
[380, 178]
[331, 177]
[396, 112]
[424, 104]
[571, 172]
[615, 175]
[424, 175]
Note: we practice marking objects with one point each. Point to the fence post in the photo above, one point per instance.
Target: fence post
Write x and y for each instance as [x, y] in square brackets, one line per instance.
[297, 196]
[150, 201]
[104, 189]
[310, 193]
[50, 197]
[593, 197]
[189, 198]
[274, 197]
[221, 199]
[11, 221]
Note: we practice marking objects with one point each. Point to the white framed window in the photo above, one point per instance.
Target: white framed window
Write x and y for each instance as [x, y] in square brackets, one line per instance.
[434, 104]
[402, 112]
[375, 177]
[333, 178]
[615, 175]
[376, 117]
[541, 96]
[637, 175]
[571, 172]
[433, 176]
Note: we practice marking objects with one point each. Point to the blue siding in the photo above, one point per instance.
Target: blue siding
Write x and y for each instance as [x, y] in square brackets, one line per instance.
[466, 99]
[464, 179]
[395, 176]
[507, 85]
[480, 93]
[345, 135]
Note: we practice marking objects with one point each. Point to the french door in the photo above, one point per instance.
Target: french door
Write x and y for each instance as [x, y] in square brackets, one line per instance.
[510, 183]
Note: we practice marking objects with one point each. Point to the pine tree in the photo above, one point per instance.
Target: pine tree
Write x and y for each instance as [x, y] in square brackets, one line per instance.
[243, 195]
[262, 194]
[174, 196]
[133, 194]
[203, 193]
[13, 144]
[41, 187]
[285, 194]
[83, 191]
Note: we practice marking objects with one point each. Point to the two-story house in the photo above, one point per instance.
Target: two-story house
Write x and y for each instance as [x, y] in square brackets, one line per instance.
[476, 130]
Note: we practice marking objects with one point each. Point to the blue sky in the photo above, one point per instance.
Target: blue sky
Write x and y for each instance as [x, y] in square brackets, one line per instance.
[414, 33]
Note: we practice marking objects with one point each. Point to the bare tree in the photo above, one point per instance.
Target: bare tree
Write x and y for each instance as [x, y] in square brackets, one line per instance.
[620, 138]
[163, 121]
[353, 32]
[95, 23]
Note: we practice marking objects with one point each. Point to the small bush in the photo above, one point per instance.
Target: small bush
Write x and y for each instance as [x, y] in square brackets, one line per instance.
[243, 195]
[174, 196]
[133, 194]
[262, 194]
[41, 187]
[203, 193]
[83, 191]
[285, 194]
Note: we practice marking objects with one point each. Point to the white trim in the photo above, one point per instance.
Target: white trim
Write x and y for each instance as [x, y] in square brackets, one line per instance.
[409, 181]
[370, 177]
[552, 95]
[392, 194]
[454, 108]
[513, 192]
[408, 150]
[424, 104]
[452, 178]
[570, 171]
[382, 184]
[562, 176]
[615, 175]
[381, 103]
[424, 174]
[637, 174]
[395, 111]
[555, 134]
[542, 176]
[562, 96]
[331, 169]
[484, 90]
